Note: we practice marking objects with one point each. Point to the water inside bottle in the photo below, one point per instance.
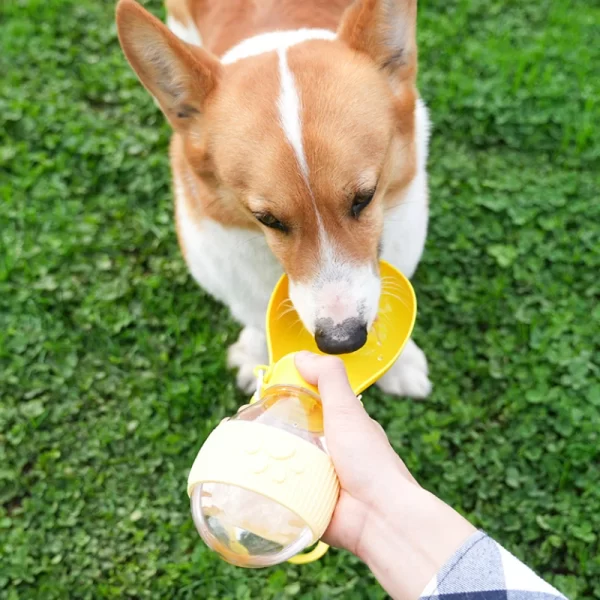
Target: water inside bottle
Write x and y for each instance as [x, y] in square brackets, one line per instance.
[246, 528]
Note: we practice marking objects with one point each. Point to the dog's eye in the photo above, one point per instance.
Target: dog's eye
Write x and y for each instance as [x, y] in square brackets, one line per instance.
[361, 201]
[268, 220]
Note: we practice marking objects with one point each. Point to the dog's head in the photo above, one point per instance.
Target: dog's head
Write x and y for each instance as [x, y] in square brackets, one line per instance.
[306, 142]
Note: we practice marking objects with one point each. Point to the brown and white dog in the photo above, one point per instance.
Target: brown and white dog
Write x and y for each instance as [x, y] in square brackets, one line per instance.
[300, 144]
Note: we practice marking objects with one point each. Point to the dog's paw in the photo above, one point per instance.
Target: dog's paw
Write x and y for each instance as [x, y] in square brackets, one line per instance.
[408, 375]
[249, 351]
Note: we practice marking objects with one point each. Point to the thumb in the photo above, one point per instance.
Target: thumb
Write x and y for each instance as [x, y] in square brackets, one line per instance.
[342, 410]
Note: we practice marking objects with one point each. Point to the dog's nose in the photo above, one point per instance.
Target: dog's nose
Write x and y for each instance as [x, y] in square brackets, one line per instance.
[348, 336]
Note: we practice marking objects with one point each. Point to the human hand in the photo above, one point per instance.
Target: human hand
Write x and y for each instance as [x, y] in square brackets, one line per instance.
[383, 516]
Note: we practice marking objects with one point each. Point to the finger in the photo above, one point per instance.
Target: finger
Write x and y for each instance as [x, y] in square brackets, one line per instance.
[340, 404]
[380, 428]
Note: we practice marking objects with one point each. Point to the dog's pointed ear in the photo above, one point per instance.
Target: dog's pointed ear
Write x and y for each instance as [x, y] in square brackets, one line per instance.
[385, 30]
[179, 76]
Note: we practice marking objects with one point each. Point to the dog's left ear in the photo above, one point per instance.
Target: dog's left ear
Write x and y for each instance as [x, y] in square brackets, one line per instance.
[181, 77]
[385, 30]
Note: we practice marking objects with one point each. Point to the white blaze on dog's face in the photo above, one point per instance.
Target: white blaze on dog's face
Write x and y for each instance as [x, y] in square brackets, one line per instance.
[304, 142]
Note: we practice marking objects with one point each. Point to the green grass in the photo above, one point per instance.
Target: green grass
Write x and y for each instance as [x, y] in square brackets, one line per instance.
[112, 361]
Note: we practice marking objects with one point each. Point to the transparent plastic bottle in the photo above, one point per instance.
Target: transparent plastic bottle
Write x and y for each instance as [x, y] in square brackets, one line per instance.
[252, 529]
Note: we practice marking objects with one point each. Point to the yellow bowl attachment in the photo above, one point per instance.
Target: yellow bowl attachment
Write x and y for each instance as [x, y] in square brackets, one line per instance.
[392, 328]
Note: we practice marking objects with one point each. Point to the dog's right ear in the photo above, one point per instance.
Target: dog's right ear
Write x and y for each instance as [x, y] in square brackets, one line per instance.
[384, 30]
[179, 76]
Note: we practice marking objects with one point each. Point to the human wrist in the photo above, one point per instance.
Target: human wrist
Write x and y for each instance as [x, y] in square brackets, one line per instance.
[408, 537]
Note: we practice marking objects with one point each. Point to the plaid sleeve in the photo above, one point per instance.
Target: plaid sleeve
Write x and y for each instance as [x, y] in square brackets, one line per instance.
[483, 570]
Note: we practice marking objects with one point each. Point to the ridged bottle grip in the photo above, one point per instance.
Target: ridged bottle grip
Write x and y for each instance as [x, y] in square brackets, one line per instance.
[272, 462]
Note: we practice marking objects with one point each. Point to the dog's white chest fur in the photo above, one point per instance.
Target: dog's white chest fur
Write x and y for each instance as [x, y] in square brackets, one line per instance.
[234, 265]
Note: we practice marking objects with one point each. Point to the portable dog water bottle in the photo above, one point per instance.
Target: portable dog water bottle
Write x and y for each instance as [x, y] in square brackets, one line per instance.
[263, 487]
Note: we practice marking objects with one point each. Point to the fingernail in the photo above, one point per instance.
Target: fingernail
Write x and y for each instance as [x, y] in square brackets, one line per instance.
[303, 356]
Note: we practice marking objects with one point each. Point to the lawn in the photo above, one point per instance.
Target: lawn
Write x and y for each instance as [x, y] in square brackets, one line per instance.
[112, 361]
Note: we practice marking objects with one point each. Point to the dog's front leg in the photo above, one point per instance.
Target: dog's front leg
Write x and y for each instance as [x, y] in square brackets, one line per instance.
[408, 375]
[249, 351]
